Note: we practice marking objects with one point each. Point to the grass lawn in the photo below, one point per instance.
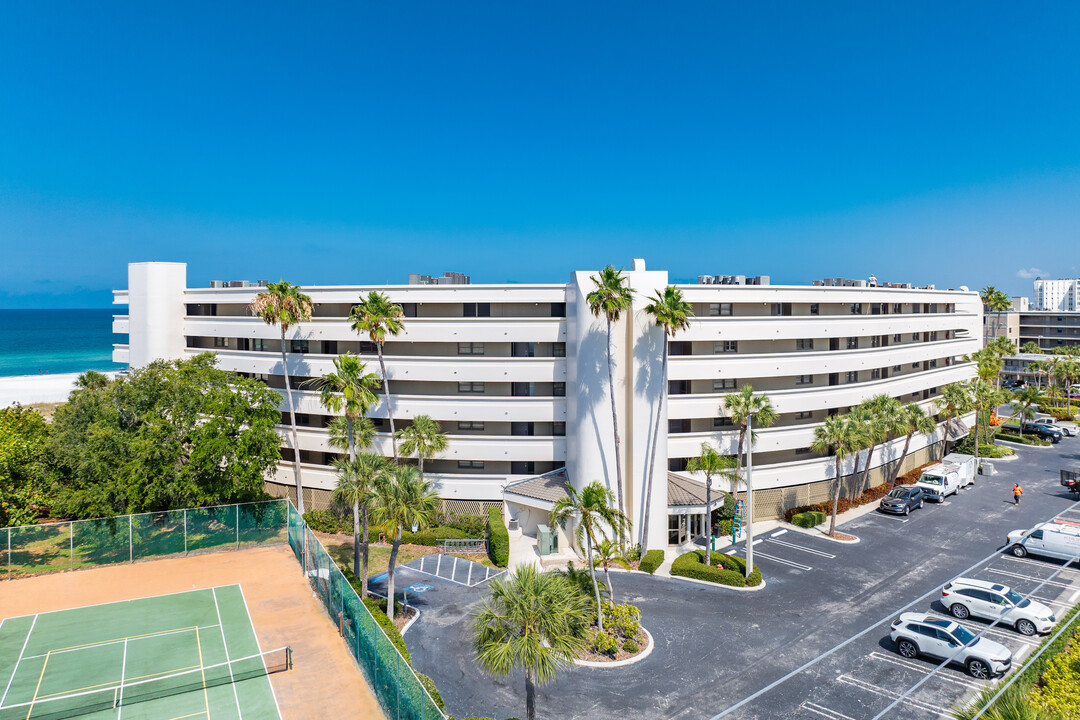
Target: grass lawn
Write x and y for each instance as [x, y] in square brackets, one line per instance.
[341, 549]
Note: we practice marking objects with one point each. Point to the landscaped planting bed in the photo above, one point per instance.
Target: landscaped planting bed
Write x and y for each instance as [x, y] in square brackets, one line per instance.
[723, 570]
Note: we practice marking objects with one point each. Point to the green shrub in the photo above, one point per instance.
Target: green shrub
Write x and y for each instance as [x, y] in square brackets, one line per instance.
[727, 512]
[652, 560]
[725, 528]
[622, 619]
[1060, 413]
[498, 538]
[808, 519]
[730, 571]
[604, 644]
[325, 521]
[431, 535]
[472, 525]
[387, 625]
[433, 691]
[1025, 440]
[630, 646]
[633, 553]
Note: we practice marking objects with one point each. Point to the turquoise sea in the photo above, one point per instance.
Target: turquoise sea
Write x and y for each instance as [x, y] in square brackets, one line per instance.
[57, 341]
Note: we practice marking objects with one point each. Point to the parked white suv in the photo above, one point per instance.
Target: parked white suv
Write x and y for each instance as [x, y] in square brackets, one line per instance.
[977, 598]
[917, 634]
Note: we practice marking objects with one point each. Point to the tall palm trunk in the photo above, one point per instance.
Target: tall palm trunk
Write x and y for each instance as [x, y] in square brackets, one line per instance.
[864, 485]
[835, 498]
[652, 455]
[903, 456]
[386, 395]
[610, 587]
[614, 420]
[592, 574]
[708, 518]
[349, 432]
[292, 423]
[530, 693]
[356, 538]
[364, 555]
[390, 575]
[855, 474]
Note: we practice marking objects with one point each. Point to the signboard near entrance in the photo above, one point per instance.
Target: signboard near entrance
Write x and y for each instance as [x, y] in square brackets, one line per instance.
[736, 522]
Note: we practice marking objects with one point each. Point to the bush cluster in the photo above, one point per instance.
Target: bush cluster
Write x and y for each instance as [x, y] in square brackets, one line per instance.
[1025, 440]
[724, 569]
[498, 538]
[845, 503]
[652, 560]
[808, 519]
[630, 646]
[432, 535]
[1059, 413]
[433, 691]
[379, 613]
[325, 521]
[621, 626]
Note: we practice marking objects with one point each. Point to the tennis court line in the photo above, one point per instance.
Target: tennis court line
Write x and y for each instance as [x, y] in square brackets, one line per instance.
[15, 670]
[120, 640]
[225, 645]
[117, 602]
[37, 689]
[202, 672]
[123, 672]
[258, 646]
[114, 685]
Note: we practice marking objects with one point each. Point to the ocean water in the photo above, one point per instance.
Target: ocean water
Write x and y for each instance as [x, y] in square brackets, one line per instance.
[57, 341]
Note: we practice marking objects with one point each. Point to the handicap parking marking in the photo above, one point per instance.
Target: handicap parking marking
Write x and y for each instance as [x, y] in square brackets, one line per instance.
[419, 588]
[793, 546]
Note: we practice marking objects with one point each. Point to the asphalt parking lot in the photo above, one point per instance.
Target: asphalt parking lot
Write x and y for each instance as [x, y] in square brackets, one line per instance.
[716, 647]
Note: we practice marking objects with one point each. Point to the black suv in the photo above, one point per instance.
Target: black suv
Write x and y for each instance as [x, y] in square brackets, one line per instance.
[903, 499]
[1042, 431]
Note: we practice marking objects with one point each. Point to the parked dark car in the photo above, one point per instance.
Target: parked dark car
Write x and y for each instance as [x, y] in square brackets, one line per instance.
[903, 499]
[1043, 432]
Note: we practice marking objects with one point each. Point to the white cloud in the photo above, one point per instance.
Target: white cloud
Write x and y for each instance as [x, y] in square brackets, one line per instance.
[1029, 273]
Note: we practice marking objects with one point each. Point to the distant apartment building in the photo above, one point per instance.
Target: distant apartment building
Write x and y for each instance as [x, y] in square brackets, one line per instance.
[1056, 295]
[516, 374]
[1048, 330]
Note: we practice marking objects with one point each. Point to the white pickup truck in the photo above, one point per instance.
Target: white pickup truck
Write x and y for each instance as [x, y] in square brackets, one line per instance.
[947, 477]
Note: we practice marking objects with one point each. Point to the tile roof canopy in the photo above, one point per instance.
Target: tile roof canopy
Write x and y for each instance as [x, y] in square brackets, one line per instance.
[550, 486]
[956, 428]
[683, 491]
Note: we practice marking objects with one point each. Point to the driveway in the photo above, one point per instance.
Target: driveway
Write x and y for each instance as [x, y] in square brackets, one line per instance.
[716, 647]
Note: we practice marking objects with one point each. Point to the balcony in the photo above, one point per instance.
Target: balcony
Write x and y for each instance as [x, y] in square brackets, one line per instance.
[120, 325]
[471, 486]
[789, 327]
[477, 408]
[421, 294]
[120, 354]
[489, 448]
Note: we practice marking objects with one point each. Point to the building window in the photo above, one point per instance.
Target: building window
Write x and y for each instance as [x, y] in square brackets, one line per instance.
[558, 349]
[221, 342]
[804, 344]
[558, 389]
[914, 366]
[476, 388]
[558, 428]
[724, 384]
[875, 374]
[725, 346]
[719, 309]
[299, 346]
[852, 376]
[476, 309]
[853, 343]
[470, 348]
[915, 337]
[856, 308]
[722, 422]
[804, 379]
[815, 309]
[302, 419]
[896, 368]
[933, 335]
[933, 307]
[470, 464]
[558, 309]
[897, 308]
[470, 425]
[933, 363]
[805, 415]
[801, 451]
[781, 308]
[896, 338]
[875, 341]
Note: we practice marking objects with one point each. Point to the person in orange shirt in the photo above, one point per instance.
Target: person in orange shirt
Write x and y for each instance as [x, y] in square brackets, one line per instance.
[1017, 492]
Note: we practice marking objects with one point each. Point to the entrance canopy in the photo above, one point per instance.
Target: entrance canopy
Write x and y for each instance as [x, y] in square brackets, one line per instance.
[686, 495]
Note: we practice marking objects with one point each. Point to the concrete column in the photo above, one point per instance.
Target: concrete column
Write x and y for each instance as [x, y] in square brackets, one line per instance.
[156, 311]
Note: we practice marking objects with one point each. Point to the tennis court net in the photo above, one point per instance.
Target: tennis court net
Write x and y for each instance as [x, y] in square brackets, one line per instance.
[122, 694]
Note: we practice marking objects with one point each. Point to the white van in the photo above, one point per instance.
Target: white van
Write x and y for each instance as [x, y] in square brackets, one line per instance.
[943, 479]
[1059, 540]
[966, 463]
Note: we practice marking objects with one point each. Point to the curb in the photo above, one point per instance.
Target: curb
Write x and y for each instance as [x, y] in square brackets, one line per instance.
[622, 663]
[821, 534]
[707, 583]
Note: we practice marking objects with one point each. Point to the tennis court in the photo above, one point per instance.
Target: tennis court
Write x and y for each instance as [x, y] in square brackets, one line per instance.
[186, 655]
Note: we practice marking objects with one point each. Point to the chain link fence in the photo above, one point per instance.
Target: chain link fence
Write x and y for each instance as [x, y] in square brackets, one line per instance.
[392, 679]
[54, 547]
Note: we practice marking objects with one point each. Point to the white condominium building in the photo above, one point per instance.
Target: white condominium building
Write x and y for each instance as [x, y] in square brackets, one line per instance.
[1057, 295]
[516, 374]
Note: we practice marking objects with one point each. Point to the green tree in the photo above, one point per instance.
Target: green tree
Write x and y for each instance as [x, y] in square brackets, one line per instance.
[91, 379]
[609, 553]
[594, 508]
[837, 435]
[885, 421]
[671, 313]
[955, 401]
[357, 479]
[170, 435]
[863, 418]
[913, 419]
[534, 621]
[403, 500]
[994, 300]
[1032, 348]
[610, 298]
[1002, 346]
[25, 465]
[1023, 400]
[424, 439]
[984, 397]
[348, 390]
[746, 408]
[380, 319]
[284, 305]
[711, 463]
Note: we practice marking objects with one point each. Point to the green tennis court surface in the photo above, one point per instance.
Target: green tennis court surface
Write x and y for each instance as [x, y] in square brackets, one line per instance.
[188, 655]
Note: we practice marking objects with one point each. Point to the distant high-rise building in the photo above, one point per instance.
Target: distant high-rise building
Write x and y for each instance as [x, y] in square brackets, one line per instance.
[1057, 295]
[448, 278]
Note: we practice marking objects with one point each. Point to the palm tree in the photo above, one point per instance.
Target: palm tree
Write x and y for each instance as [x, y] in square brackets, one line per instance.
[593, 507]
[609, 553]
[995, 300]
[885, 420]
[284, 305]
[984, 398]
[711, 463]
[744, 407]
[913, 419]
[837, 435]
[1023, 400]
[672, 313]
[862, 417]
[357, 479]
[404, 500]
[380, 318]
[955, 401]
[534, 621]
[363, 432]
[610, 298]
[1037, 368]
[91, 380]
[348, 390]
[1032, 348]
[424, 439]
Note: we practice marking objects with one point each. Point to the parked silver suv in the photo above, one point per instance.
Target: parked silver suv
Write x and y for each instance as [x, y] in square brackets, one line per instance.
[918, 634]
[977, 598]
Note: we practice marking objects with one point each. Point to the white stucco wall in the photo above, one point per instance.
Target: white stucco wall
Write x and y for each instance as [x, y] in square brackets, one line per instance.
[156, 311]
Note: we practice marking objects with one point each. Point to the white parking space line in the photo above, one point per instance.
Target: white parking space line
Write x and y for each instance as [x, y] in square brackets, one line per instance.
[757, 542]
[1048, 601]
[893, 517]
[778, 533]
[1067, 586]
[855, 682]
[824, 711]
[1041, 564]
[782, 561]
[803, 549]
[922, 669]
[1072, 598]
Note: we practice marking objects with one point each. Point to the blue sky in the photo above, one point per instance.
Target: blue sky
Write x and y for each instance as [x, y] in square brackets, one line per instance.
[333, 143]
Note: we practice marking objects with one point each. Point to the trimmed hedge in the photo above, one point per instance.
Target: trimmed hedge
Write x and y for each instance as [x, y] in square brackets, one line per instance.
[730, 571]
[433, 691]
[808, 519]
[387, 625]
[498, 538]
[1028, 439]
[429, 536]
[652, 560]
[325, 521]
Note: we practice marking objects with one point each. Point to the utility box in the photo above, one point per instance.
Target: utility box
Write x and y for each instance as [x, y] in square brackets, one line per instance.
[548, 541]
[987, 468]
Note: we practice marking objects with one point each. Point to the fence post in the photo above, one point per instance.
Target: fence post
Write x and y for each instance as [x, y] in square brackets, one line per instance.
[238, 526]
[9, 553]
[185, 531]
[131, 542]
[71, 546]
